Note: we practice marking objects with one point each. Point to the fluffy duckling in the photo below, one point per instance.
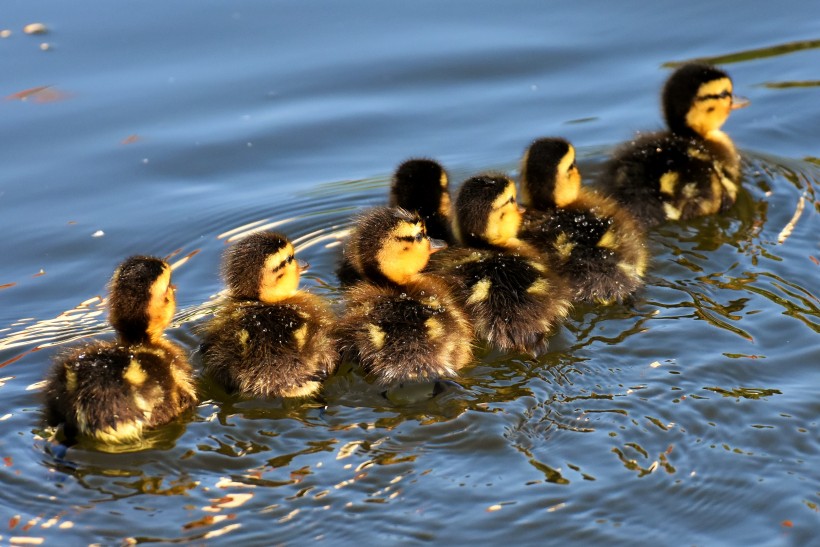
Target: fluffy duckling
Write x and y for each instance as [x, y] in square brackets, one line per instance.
[693, 168]
[593, 242]
[269, 339]
[512, 297]
[420, 185]
[403, 325]
[113, 391]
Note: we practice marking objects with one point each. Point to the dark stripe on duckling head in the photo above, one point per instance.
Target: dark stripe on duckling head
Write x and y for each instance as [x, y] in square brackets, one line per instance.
[681, 90]
[243, 263]
[539, 170]
[130, 295]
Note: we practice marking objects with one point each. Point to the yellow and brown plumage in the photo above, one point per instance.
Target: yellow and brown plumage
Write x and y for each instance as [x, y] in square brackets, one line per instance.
[113, 391]
[268, 339]
[511, 295]
[595, 244]
[401, 324]
[693, 168]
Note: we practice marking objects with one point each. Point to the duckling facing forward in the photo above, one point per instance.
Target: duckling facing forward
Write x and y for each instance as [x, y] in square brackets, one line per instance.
[113, 391]
[693, 168]
[594, 243]
[401, 324]
[509, 292]
[419, 185]
[269, 339]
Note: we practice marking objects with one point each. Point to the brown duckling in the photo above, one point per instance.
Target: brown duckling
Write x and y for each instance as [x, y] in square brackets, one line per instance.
[114, 391]
[693, 168]
[401, 324]
[269, 339]
[513, 298]
[596, 245]
[419, 185]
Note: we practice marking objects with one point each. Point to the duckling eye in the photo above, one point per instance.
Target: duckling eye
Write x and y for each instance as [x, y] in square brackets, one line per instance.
[290, 258]
[419, 237]
[511, 200]
[572, 167]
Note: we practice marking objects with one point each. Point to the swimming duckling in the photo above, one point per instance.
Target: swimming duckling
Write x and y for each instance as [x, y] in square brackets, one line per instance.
[420, 185]
[113, 391]
[593, 242]
[693, 168]
[509, 292]
[403, 325]
[269, 339]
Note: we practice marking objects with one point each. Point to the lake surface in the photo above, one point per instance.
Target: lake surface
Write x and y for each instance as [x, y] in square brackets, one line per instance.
[688, 417]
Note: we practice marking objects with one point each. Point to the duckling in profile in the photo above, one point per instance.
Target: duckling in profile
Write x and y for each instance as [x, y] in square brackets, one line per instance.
[513, 298]
[693, 168]
[113, 391]
[593, 242]
[401, 324]
[269, 339]
[419, 185]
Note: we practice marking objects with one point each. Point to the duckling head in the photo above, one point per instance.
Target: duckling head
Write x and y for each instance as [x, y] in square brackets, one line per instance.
[263, 267]
[421, 185]
[391, 244]
[487, 214]
[698, 98]
[549, 174]
[142, 300]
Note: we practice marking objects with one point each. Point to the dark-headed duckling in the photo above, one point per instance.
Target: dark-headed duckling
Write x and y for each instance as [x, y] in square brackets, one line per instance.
[113, 391]
[509, 292]
[693, 168]
[269, 339]
[419, 185]
[401, 324]
[593, 242]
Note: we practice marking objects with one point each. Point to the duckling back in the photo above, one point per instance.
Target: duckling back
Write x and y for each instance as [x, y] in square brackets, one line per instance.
[280, 350]
[113, 392]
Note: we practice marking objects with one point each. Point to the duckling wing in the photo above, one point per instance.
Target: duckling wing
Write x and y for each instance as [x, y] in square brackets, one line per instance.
[513, 300]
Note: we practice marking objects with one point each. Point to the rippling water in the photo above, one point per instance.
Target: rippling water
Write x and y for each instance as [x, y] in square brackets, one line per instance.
[690, 416]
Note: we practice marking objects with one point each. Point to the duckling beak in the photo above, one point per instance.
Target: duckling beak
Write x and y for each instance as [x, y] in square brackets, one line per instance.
[522, 210]
[437, 244]
[740, 102]
[302, 265]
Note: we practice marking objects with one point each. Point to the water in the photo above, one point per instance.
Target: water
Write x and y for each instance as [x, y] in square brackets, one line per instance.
[691, 416]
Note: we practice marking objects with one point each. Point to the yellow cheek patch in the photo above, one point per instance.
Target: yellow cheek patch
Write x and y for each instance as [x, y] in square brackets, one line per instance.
[134, 374]
[402, 257]
[505, 218]
[567, 183]
[669, 181]
[281, 276]
[480, 292]
[162, 304]
[377, 335]
[711, 106]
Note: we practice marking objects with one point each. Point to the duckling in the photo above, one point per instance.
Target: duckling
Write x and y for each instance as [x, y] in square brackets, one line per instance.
[595, 244]
[692, 169]
[269, 339]
[112, 391]
[420, 185]
[402, 324]
[513, 298]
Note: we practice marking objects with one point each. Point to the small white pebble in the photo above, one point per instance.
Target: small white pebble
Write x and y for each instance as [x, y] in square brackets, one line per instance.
[35, 28]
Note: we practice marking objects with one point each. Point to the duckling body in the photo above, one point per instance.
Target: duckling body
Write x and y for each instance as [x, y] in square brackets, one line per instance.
[114, 391]
[596, 245]
[693, 168]
[268, 339]
[513, 298]
[402, 325]
[418, 185]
